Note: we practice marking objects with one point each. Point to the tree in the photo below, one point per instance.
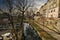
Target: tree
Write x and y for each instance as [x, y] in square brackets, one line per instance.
[9, 5]
[23, 6]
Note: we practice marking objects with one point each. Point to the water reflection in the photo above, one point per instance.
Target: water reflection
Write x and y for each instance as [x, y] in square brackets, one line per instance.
[29, 33]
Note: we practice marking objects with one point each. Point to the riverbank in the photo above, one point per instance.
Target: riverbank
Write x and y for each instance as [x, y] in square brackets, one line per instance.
[43, 34]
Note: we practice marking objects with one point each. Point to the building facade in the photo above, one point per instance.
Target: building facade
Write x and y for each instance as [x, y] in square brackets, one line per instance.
[51, 9]
[43, 10]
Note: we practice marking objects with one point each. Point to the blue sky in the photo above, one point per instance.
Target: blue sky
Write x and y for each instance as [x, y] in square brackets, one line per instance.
[1, 2]
[38, 3]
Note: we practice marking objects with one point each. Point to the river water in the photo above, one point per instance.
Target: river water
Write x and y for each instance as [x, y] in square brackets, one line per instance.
[29, 33]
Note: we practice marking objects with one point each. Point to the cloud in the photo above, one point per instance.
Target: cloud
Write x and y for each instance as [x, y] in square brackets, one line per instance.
[39, 3]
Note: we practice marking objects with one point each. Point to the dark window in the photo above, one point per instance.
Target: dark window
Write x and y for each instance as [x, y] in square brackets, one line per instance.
[54, 10]
[51, 10]
[59, 15]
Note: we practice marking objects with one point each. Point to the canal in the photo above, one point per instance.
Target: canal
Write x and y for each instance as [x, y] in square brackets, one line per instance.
[29, 33]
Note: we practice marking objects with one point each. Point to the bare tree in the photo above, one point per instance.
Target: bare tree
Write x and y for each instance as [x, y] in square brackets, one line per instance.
[23, 5]
[9, 5]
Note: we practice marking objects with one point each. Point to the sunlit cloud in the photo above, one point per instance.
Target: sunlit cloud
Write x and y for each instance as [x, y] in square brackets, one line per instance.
[39, 3]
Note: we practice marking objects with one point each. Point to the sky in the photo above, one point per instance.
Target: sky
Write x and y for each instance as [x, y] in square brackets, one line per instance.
[38, 3]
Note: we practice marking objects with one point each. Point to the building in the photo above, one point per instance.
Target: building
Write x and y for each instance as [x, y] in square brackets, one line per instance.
[43, 10]
[37, 16]
[51, 9]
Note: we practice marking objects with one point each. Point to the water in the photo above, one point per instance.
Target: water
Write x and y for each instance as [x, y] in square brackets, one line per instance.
[29, 33]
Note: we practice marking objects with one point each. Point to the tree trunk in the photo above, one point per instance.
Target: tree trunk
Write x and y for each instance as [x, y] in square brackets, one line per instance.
[22, 18]
[16, 34]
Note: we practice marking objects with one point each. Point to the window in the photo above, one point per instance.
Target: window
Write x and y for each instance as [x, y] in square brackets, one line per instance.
[59, 15]
[55, 5]
[51, 10]
[54, 10]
